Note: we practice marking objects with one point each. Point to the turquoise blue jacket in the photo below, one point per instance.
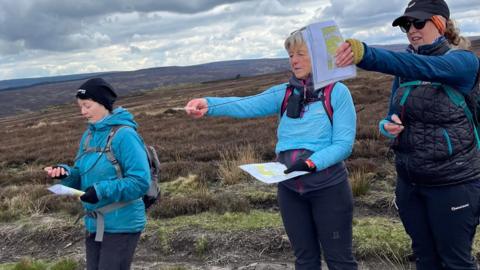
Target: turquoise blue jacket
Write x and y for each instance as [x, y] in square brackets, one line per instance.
[329, 144]
[94, 169]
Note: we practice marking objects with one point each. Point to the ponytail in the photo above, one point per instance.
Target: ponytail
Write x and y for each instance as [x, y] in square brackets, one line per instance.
[452, 33]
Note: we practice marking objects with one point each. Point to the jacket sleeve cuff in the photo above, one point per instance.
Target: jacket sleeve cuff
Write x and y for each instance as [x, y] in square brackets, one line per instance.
[383, 131]
[97, 190]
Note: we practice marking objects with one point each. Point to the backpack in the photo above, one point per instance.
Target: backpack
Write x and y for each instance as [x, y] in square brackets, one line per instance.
[324, 95]
[152, 195]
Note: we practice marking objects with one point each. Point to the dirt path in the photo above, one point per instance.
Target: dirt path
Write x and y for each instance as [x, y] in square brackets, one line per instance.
[51, 238]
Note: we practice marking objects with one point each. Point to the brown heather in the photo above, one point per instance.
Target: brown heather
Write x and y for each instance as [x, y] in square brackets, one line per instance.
[209, 149]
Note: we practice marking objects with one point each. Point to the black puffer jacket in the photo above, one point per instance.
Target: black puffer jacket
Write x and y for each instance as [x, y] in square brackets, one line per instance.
[437, 146]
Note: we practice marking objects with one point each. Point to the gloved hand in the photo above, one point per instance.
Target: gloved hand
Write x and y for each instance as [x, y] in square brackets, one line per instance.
[90, 195]
[357, 49]
[301, 165]
[148, 201]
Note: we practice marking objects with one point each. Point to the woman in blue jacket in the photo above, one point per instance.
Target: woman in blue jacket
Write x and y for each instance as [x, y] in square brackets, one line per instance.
[436, 151]
[316, 208]
[114, 203]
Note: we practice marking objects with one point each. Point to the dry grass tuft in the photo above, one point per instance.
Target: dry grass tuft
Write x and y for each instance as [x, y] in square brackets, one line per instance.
[360, 181]
[228, 170]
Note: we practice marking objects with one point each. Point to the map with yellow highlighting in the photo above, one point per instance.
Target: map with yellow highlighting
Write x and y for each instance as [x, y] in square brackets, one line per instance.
[332, 38]
[270, 172]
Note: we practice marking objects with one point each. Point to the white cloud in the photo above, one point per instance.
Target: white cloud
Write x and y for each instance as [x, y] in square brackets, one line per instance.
[40, 38]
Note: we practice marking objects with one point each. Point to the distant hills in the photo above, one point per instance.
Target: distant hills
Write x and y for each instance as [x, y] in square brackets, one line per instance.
[247, 67]
[209, 68]
[32, 94]
[26, 82]
[26, 95]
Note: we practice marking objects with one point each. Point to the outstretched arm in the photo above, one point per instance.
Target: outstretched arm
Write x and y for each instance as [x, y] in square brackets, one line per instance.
[457, 69]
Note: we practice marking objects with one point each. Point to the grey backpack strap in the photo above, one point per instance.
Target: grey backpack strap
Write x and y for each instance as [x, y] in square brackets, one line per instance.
[108, 151]
[99, 215]
[88, 149]
[87, 140]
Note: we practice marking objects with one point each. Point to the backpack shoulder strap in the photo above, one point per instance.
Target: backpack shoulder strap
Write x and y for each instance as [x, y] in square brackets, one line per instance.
[288, 93]
[108, 150]
[86, 144]
[326, 92]
[458, 99]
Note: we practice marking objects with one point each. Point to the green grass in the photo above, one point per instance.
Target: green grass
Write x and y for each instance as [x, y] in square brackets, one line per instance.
[382, 238]
[201, 245]
[31, 264]
[226, 222]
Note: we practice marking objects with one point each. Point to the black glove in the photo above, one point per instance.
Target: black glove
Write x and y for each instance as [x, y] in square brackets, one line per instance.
[301, 165]
[148, 201]
[90, 195]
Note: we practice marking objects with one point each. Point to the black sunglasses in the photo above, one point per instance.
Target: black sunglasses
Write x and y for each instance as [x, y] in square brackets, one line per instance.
[418, 24]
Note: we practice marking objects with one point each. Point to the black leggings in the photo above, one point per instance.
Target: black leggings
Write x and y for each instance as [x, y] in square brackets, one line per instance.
[319, 220]
[114, 253]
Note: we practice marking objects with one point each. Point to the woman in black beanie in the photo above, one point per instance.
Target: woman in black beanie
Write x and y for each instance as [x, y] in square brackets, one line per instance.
[113, 201]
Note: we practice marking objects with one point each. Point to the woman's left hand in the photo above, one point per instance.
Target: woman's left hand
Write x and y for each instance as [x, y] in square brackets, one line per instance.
[90, 195]
[344, 55]
[301, 165]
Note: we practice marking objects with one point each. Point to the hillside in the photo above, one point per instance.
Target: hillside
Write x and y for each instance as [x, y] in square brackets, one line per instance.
[41, 95]
[211, 214]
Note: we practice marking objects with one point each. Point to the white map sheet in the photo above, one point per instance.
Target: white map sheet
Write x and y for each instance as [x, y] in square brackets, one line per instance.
[64, 190]
[323, 39]
[271, 172]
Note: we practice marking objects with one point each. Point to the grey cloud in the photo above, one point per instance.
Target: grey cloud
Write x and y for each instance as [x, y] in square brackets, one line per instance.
[10, 48]
[135, 50]
[363, 13]
[85, 8]
[367, 15]
[70, 24]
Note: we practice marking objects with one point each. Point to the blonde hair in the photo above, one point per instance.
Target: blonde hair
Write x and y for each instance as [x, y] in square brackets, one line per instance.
[294, 40]
[452, 33]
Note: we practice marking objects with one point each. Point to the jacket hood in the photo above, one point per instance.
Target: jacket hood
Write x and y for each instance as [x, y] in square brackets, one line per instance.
[119, 116]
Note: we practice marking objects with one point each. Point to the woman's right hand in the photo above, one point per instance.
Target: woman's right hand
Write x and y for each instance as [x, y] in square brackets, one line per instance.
[395, 126]
[344, 55]
[56, 172]
[349, 52]
[197, 107]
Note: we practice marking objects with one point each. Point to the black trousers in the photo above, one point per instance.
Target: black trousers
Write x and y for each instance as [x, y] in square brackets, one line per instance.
[115, 252]
[318, 221]
[441, 222]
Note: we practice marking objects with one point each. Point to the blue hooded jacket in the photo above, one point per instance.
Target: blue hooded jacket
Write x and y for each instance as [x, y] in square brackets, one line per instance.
[94, 169]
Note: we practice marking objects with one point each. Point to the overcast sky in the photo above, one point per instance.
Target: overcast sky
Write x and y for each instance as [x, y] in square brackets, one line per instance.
[58, 37]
